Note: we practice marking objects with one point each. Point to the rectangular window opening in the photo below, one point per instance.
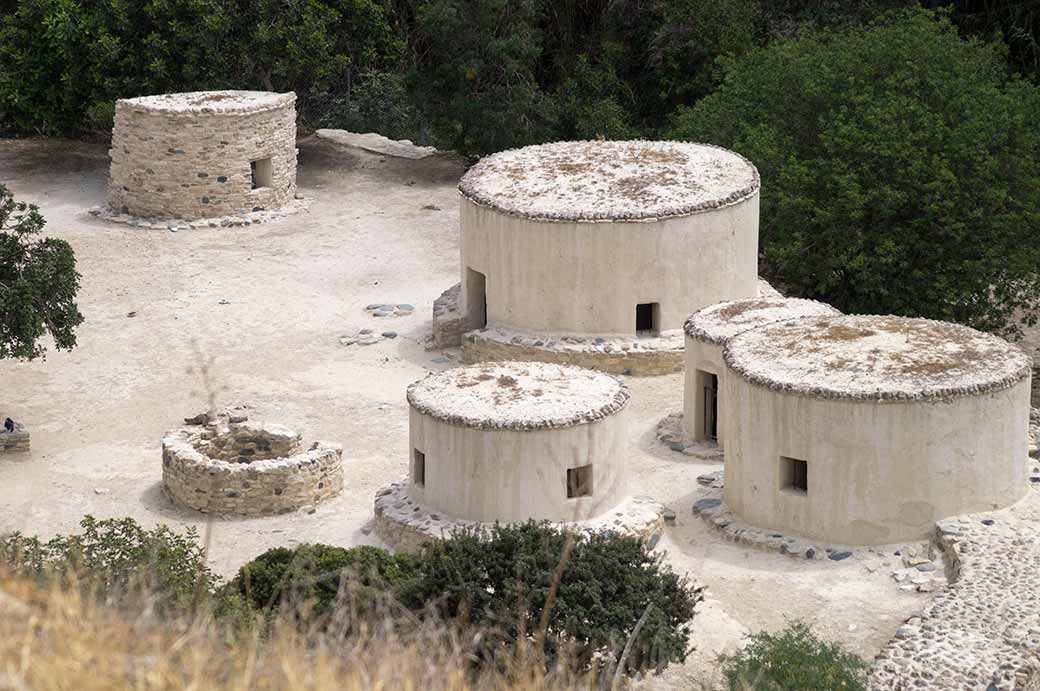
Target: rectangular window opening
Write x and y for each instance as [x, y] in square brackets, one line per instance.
[794, 475]
[648, 317]
[262, 173]
[579, 481]
[418, 468]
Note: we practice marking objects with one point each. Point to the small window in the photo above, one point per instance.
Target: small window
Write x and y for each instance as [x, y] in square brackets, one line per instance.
[794, 475]
[648, 318]
[418, 468]
[262, 172]
[579, 482]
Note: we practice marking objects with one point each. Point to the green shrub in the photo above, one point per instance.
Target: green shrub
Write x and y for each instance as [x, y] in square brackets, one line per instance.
[38, 283]
[499, 582]
[900, 168]
[312, 580]
[379, 102]
[794, 660]
[118, 559]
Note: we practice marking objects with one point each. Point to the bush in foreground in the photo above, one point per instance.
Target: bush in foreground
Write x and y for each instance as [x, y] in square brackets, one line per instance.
[794, 660]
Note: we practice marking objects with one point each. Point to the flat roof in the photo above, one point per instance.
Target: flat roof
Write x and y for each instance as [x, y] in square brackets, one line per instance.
[875, 358]
[216, 102]
[720, 322]
[610, 180]
[518, 395]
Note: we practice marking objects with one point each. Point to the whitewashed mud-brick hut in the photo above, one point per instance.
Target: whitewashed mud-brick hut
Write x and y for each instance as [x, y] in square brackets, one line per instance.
[707, 332]
[203, 154]
[511, 442]
[594, 253]
[865, 430]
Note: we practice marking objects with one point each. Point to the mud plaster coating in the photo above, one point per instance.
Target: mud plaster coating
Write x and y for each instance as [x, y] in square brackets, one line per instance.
[228, 464]
[188, 156]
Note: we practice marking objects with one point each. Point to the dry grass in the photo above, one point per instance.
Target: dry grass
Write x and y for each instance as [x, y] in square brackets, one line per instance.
[52, 638]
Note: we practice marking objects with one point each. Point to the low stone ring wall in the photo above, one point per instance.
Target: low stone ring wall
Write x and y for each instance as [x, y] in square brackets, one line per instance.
[226, 464]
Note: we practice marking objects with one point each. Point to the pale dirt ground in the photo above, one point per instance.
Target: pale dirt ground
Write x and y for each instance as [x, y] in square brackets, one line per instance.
[293, 287]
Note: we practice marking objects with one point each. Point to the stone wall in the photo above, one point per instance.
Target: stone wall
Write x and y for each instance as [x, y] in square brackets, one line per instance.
[15, 441]
[486, 346]
[247, 473]
[189, 161]
[448, 321]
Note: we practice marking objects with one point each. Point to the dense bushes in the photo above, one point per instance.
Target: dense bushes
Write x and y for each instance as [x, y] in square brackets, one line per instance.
[900, 168]
[38, 283]
[794, 660]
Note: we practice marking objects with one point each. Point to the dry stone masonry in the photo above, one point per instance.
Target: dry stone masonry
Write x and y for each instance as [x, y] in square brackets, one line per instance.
[15, 439]
[203, 155]
[224, 463]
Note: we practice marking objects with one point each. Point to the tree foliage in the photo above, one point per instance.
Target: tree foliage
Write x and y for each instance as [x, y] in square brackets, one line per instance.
[900, 168]
[38, 284]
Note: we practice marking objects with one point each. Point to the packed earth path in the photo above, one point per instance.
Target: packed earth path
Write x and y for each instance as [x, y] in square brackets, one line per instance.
[269, 316]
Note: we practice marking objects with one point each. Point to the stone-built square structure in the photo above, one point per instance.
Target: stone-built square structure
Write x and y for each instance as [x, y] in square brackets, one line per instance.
[594, 253]
[14, 440]
[203, 154]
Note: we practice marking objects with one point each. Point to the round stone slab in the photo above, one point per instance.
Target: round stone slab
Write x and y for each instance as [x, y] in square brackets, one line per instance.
[518, 395]
[210, 102]
[604, 181]
[875, 358]
[721, 322]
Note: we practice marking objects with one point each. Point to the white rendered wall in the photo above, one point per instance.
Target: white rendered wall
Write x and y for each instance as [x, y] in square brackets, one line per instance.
[706, 357]
[587, 277]
[877, 472]
[511, 475]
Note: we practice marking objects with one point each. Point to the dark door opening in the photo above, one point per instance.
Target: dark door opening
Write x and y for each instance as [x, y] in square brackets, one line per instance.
[647, 319]
[579, 481]
[262, 173]
[711, 406]
[418, 467]
[794, 475]
[476, 299]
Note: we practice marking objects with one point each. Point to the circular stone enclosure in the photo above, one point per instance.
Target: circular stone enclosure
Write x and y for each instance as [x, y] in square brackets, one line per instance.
[865, 430]
[203, 154]
[618, 239]
[707, 332]
[516, 441]
[228, 464]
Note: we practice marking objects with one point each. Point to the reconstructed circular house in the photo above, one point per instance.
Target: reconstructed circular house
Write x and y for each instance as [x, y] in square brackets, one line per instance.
[867, 429]
[203, 154]
[593, 253]
[510, 442]
[707, 332]
[225, 463]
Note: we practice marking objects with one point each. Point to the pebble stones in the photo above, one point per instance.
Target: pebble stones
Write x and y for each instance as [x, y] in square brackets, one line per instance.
[365, 337]
[670, 433]
[387, 309]
[179, 224]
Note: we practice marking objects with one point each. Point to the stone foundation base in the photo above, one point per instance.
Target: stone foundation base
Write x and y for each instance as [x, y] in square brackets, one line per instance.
[226, 464]
[405, 525]
[243, 219]
[14, 441]
[671, 433]
[615, 355]
[448, 322]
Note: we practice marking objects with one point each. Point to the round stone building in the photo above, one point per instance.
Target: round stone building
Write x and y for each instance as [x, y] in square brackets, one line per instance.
[865, 430]
[203, 154]
[510, 442]
[707, 332]
[594, 253]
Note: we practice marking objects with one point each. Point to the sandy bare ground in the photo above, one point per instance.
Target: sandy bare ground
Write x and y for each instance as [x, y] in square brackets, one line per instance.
[292, 288]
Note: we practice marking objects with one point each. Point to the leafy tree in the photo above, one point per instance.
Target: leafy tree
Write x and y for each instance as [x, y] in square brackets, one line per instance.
[118, 559]
[38, 283]
[314, 579]
[900, 168]
[794, 660]
[608, 589]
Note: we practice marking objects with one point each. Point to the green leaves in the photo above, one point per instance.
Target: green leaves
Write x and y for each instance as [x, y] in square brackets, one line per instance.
[38, 284]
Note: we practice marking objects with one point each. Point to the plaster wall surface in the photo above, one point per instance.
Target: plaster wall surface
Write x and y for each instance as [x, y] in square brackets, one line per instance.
[878, 471]
[203, 154]
[571, 277]
[701, 357]
[513, 475]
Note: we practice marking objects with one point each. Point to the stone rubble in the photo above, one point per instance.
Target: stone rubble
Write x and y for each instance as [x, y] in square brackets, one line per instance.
[388, 310]
[405, 524]
[17, 440]
[670, 432]
[174, 225]
[982, 633]
[448, 322]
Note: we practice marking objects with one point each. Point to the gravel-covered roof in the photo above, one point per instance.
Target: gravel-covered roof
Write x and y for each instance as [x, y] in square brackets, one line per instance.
[230, 102]
[610, 181]
[875, 358]
[518, 395]
[720, 322]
